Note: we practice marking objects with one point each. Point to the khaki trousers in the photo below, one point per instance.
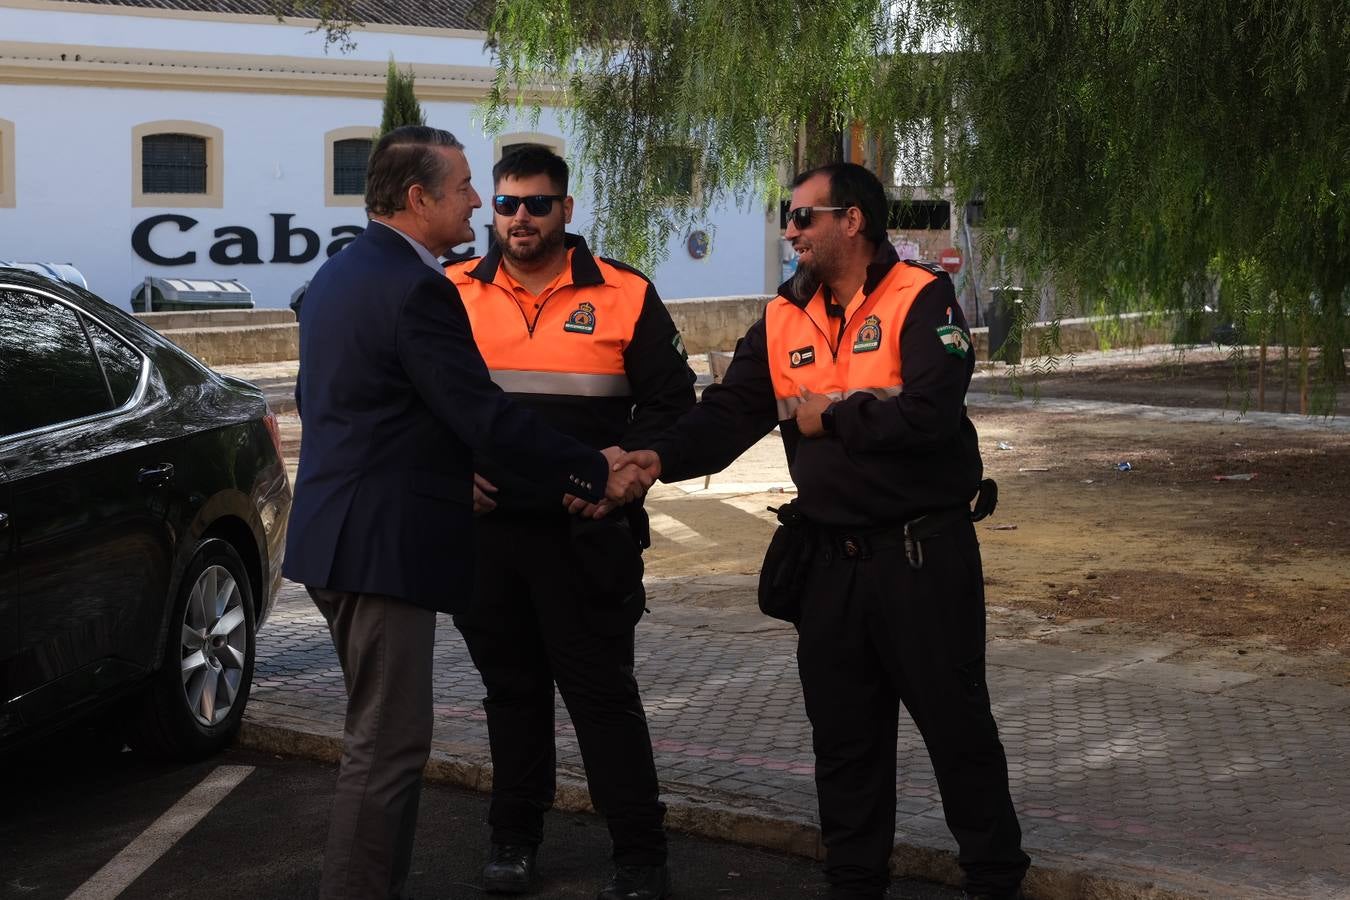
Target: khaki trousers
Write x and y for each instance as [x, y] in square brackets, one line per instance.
[385, 647]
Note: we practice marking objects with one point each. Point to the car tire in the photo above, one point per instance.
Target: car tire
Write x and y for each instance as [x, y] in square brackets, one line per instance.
[196, 700]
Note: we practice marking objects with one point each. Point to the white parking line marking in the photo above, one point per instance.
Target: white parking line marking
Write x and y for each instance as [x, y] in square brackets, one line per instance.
[673, 529]
[152, 843]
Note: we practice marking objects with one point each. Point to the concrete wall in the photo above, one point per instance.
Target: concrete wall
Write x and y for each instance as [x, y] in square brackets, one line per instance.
[237, 337]
[715, 323]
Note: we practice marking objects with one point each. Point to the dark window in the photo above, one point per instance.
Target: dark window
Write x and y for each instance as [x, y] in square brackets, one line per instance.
[173, 164]
[350, 158]
[915, 215]
[48, 373]
[120, 362]
[906, 215]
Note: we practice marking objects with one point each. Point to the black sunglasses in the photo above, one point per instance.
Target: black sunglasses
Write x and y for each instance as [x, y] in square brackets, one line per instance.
[537, 205]
[801, 216]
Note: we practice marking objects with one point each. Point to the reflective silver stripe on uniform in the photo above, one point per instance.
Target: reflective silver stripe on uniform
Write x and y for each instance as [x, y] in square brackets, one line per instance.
[567, 384]
[787, 406]
[879, 393]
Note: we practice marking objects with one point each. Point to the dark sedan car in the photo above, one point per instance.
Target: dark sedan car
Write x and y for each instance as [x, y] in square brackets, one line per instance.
[143, 506]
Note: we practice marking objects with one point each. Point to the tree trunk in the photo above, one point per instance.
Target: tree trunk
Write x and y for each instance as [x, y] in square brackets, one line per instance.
[1333, 326]
[1303, 362]
[1261, 376]
[1284, 371]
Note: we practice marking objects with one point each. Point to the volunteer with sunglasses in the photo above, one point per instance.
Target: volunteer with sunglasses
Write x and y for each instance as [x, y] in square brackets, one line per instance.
[587, 344]
[864, 361]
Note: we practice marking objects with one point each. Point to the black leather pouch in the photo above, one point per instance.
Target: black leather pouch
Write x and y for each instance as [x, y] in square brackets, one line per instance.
[782, 578]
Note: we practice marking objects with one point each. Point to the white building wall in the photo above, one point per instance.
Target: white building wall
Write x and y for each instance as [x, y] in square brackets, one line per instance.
[73, 160]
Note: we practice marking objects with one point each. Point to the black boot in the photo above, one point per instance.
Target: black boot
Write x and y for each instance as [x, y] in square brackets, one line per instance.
[509, 869]
[636, 883]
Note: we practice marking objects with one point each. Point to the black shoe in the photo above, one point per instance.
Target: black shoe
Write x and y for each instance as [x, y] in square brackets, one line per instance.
[509, 869]
[636, 883]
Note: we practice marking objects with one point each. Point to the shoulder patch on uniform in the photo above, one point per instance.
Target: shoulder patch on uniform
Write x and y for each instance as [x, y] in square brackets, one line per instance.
[954, 340]
[678, 343]
[582, 319]
[926, 265]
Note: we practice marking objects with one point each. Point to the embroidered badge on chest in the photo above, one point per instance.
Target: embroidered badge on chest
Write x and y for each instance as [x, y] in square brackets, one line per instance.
[802, 356]
[869, 335]
[582, 320]
[954, 340]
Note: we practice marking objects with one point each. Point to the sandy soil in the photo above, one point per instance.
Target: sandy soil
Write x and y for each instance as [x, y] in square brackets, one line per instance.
[1257, 568]
[1247, 574]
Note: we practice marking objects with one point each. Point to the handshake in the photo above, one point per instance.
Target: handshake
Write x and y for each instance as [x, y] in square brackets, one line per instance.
[630, 475]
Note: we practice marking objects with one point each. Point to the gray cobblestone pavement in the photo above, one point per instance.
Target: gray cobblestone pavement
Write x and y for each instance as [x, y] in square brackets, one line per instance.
[1127, 771]
[1134, 775]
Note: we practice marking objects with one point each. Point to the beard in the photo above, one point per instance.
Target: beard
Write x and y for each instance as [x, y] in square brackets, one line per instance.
[548, 241]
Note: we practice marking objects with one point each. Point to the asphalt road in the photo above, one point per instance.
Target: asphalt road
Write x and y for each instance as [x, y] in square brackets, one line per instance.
[80, 821]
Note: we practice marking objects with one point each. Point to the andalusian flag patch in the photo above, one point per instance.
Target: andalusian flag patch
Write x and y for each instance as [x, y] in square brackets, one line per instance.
[954, 340]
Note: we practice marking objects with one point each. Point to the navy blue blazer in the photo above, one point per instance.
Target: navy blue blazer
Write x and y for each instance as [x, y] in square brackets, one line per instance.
[395, 401]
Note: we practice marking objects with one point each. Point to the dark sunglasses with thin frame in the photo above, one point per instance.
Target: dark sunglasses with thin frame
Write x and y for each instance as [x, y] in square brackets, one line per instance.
[535, 205]
[802, 215]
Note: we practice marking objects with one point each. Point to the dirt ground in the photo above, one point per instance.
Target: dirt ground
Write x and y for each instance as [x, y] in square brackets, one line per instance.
[1250, 571]
[1252, 575]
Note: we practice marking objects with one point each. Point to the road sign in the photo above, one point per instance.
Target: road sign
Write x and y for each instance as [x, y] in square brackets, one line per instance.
[950, 259]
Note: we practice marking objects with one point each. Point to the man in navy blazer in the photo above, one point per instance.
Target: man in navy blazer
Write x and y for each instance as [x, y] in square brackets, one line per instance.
[395, 400]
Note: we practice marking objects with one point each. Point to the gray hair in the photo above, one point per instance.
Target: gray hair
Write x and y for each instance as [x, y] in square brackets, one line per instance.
[404, 157]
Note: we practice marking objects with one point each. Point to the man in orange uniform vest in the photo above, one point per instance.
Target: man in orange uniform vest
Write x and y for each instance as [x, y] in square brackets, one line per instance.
[864, 361]
[587, 344]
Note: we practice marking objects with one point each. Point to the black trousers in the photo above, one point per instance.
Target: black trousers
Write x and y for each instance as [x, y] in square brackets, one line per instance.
[534, 627]
[875, 633]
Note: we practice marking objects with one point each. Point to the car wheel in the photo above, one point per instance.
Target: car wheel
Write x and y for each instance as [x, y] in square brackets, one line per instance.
[197, 697]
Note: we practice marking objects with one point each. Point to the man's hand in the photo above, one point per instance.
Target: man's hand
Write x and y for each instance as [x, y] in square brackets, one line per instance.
[579, 507]
[643, 465]
[628, 480]
[808, 413]
[482, 503]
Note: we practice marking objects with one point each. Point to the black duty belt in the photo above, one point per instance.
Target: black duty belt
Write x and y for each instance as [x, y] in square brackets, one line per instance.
[863, 543]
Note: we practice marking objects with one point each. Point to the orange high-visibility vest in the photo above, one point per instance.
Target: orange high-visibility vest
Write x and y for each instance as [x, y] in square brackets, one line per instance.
[801, 341]
[575, 344]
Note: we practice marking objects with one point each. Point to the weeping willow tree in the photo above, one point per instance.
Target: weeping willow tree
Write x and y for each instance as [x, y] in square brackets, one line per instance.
[1137, 153]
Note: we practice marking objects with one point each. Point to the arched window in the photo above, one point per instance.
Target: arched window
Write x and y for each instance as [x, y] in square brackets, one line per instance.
[346, 153]
[507, 142]
[177, 164]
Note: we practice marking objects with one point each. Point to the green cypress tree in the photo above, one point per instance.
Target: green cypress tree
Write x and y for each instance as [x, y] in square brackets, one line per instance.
[400, 103]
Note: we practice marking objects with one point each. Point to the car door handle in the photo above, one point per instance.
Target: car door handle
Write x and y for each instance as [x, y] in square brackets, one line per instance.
[4, 520]
[154, 476]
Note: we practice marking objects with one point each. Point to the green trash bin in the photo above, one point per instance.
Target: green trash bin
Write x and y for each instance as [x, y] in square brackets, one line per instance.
[157, 294]
[1005, 324]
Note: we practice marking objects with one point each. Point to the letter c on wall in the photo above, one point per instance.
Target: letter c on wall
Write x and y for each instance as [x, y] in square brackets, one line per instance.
[140, 240]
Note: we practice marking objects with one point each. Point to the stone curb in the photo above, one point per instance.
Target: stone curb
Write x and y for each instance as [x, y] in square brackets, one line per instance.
[723, 818]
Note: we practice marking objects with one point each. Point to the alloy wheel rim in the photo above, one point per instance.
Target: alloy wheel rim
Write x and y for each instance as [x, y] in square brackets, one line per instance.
[214, 645]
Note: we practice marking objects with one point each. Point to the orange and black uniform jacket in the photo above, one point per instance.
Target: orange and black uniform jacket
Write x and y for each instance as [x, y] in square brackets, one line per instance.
[595, 354]
[897, 359]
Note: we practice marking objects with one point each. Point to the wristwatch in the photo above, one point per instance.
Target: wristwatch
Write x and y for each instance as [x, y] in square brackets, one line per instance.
[827, 419]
